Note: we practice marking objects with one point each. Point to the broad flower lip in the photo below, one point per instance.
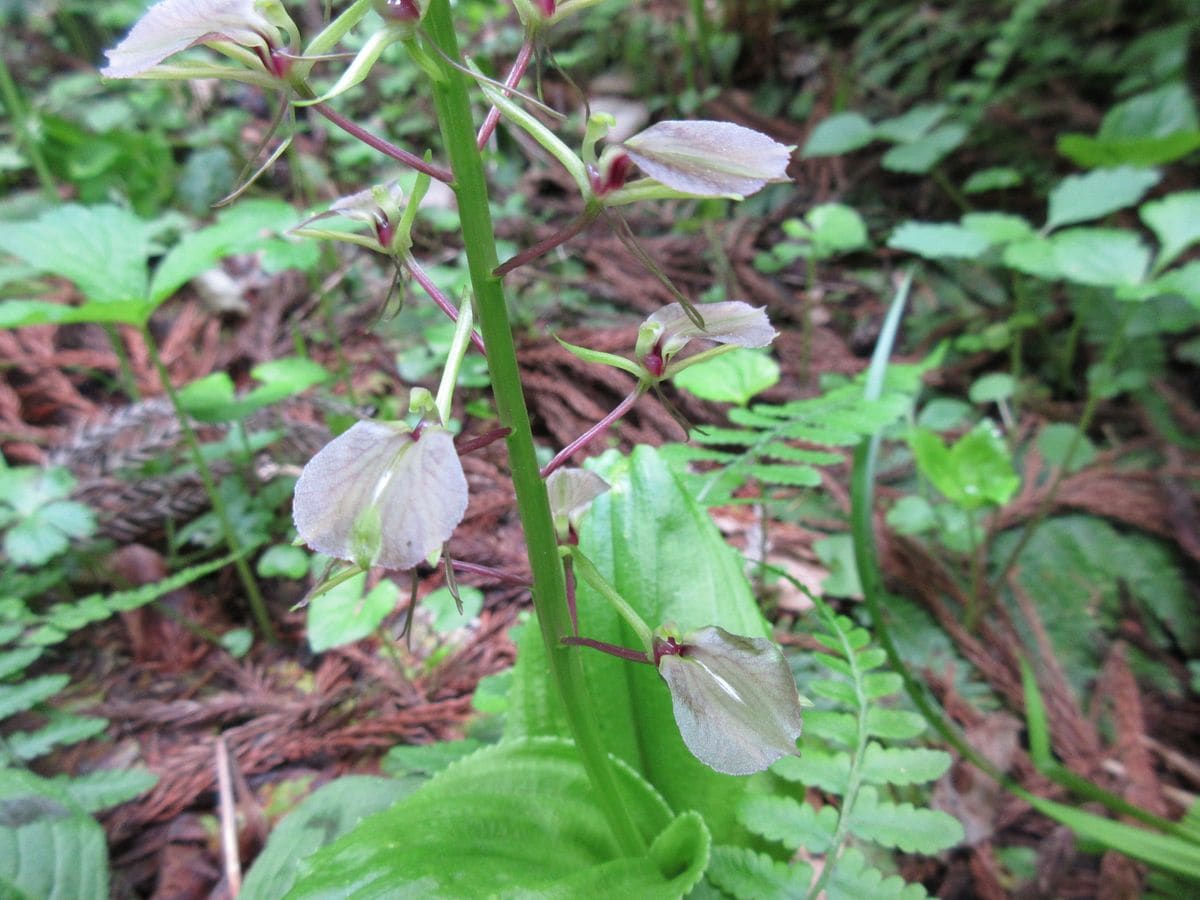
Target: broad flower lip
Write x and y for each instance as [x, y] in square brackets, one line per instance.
[734, 699]
[172, 26]
[728, 322]
[709, 159]
[378, 495]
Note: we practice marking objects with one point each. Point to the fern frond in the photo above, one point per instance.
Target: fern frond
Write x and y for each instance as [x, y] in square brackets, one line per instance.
[62, 730]
[902, 825]
[903, 765]
[15, 698]
[789, 822]
[100, 790]
[746, 875]
[854, 879]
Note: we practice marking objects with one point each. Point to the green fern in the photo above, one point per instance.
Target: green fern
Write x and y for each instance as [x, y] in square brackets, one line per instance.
[846, 753]
[764, 444]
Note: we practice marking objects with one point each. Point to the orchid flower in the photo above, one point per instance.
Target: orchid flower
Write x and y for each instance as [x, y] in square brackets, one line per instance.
[382, 494]
[692, 159]
[172, 26]
[734, 698]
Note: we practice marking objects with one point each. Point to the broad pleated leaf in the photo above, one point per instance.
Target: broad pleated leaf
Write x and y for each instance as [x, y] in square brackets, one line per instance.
[516, 819]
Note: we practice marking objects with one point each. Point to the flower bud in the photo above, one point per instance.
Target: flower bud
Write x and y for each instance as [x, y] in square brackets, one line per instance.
[734, 698]
[409, 11]
[709, 159]
[571, 493]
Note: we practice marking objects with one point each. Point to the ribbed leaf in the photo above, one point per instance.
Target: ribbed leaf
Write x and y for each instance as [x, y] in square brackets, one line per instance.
[853, 879]
[322, 817]
[840, 691]
[881, 684]
[901, 825]
[789, 822]
[518, 818]
[746, 875]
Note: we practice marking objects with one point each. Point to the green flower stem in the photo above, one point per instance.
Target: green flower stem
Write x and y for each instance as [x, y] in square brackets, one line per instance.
[258, 606]
[589, 573]
[549, 586]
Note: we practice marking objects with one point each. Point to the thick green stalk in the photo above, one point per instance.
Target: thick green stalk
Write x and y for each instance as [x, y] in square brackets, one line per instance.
[549, 587]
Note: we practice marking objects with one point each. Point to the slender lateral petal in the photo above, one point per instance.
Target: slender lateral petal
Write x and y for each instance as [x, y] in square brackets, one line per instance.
[709, 159]
[171, 26]
[730, 322]
[379, 496]
[734, 699]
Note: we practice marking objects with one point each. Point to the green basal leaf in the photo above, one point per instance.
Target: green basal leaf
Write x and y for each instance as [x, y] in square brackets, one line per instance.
[322, 817]
[443, 608]
[1055, 439]
[842, 133]
[283, 561]
[213, 398]
[1092, 152]
[1103, 257]
[102, 249]
[992, 388]
[518, 818]
[912, 125]
[975, 472]
[1175, 221]
[342, 614]
[733, 377]
[923, 154]
[993, 179]
[835, 228]
[1152, 128]
[998, 228]
[248, 227]
[938, 241]
[1082, 198]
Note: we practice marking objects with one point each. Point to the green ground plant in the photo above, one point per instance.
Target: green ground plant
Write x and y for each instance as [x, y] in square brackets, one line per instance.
[648, 732]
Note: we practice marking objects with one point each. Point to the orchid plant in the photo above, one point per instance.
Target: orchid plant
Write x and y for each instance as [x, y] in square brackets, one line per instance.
[389, 495]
